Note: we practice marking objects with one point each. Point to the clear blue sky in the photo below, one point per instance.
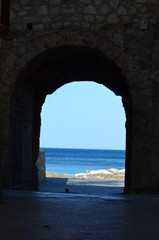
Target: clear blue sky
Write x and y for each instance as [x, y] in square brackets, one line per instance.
[83, 115]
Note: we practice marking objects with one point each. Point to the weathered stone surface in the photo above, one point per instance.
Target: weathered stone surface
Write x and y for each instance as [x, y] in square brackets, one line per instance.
[104, 9]
[132, 11]
[41, 165]
[54, 12]
[141, 1]
[123, 32]
[89, 18]
[121, 11]
[98, 2]
[90, 10]
[113, 19]
[68, 10]
[55, 3]
[99, 17]
[114, 3]
[85, 1]
[42, 10]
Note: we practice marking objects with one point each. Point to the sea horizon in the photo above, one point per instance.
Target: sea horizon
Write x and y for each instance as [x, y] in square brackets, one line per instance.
[81, 162]
[83, 148]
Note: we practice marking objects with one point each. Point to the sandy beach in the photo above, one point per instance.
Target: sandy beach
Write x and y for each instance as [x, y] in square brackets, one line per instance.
[110, 174]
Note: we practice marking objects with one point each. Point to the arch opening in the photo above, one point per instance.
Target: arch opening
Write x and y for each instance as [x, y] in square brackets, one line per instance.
[47, 72]
[83, 130]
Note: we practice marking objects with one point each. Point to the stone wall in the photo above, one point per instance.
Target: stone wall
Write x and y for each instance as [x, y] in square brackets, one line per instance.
[0, 124]
[41, 165]
[4, 28]
[86, 14]
[126, 32]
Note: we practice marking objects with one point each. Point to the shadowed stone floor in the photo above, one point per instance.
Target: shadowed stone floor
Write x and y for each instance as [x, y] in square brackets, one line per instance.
[88, 211]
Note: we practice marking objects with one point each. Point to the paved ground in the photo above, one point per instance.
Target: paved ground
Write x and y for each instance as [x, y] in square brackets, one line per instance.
[89, 210]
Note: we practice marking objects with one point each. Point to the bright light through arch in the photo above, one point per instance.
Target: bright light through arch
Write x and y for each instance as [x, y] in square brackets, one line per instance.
[83, 115]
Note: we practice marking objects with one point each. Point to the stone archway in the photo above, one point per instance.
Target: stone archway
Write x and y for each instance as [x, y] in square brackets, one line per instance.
[48, 71]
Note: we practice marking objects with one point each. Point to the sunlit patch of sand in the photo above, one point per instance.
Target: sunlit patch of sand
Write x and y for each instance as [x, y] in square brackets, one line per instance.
[110, 174]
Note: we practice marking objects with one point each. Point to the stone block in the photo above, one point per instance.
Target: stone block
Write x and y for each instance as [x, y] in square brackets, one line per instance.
[144, 24]
[98, 2]
[42, 10]
[90, 9]
[132, 10]
[113, 19]
[99, 17]
[54, 12]
[12, 14]
[55, 2]
[68, 10]
[85, 25]
[114, 3]
[122, 11]
[104, 9]
[89, 18]
[85, 1]
[141, 1]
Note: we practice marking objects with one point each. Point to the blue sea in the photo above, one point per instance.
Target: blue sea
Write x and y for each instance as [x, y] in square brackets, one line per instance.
[75, 161]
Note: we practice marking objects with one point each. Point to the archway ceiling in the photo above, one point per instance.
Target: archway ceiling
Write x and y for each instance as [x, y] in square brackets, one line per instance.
[55, 67]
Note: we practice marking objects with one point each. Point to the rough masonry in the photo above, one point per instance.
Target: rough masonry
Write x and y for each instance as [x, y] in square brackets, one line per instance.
[112, 42]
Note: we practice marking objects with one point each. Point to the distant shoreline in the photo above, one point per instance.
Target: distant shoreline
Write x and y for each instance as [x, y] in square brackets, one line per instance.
[107, 175]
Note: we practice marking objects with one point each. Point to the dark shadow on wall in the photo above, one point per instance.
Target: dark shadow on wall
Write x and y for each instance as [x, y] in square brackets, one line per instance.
[47, 72]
